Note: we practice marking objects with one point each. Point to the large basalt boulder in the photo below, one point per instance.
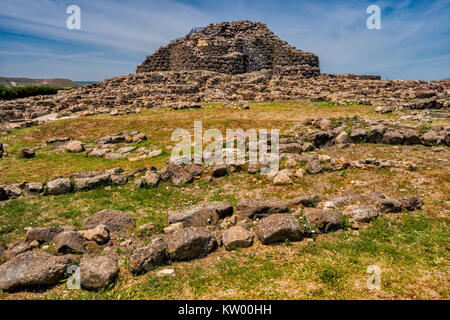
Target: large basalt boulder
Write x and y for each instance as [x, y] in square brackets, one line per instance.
[342, 138]
[411, 136]
[191, 243]
[59, 186]
[177, 173]
[33, 188]
[194, 170]
[325, 219]
[219, 170]
[389, 205]
[278, 228]
[97, 272]
[358, 135]
[430, 138]
[322, 139]
[393, 137]
[44, 234]
[91, 182]
[33, 268]
[376, 133]
[258, 208]
[149, 257]
[237, 237]
[75, 146]
[69, 242]
[202, 214]
[364, 213]
[411, 202]
[305, 200]
[151, 179]
[115, 221]
[314, 166]
[13, 191]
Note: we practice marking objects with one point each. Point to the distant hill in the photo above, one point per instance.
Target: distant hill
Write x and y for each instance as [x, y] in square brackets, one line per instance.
[22, 82]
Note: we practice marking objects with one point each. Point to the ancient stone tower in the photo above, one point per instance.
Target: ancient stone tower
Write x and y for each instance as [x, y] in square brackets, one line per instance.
[233, 48]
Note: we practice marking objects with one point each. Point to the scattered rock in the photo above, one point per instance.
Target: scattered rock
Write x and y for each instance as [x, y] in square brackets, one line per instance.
[147, 258]
[176, 173]
[42, 235]
[92, 182]
[305, 200]
[166, 272]
[151, 179]
[114, 156]
[430, 138]
[191, 243]
[258, 208]
[173, 227]
[411, 202]
[376, 133]
[75, 146]
[98, 153]
[411, 137]
[390, 205]
[119, 180]
[59, 186]
[27, 153]
[322, 139]
[201, 215]
[237, 237]
[362, 213]
[115, 221]
[314, 166]
[219, 171]
[324, 219]
[68, 242]
[139, 137]
[342, 138]
[33, 188]
[392, 137]
[97, 272]
[154, 153]
[283, 177]
[278, 228]
[100, 234]
[194, 170]
[33, 268]
[299, 173]
[308, 146]
[358, 135]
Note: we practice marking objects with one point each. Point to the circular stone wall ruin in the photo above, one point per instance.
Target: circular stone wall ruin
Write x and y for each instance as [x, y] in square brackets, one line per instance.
[233, 48]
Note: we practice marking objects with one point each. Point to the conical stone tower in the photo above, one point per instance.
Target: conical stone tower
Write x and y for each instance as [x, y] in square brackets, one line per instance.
[233, 48]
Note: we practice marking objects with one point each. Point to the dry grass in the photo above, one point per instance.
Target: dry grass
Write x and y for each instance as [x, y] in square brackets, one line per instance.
[410, 248]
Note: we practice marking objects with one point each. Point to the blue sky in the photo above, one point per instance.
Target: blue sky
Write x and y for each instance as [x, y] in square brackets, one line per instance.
[115, 36]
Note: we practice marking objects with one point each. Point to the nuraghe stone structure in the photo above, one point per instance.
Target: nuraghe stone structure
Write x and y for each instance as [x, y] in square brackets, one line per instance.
[225, 62]
[233, 48]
